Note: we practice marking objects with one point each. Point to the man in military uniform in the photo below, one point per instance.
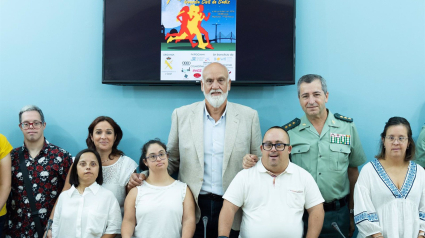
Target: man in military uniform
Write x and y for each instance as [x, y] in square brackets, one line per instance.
[420, 148]
[328, 147]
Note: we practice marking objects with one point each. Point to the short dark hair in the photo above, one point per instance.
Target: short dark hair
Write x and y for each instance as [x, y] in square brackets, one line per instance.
[145, 148]
[117, 130]
[278, 127]
[395, 121]
[73, 176]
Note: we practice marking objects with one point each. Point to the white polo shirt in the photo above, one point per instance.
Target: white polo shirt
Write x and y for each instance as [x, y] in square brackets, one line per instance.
[273, 207]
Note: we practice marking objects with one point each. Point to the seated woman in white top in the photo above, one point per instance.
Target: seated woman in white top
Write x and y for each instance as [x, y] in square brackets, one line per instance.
[389, 196]
[161, 207]
[86, 210]
[104, 137]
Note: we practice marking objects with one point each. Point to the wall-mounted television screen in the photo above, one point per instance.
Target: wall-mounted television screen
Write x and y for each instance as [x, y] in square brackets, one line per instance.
[169, 42]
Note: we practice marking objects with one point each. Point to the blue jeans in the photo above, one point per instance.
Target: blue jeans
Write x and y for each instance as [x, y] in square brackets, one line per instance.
[210, 208]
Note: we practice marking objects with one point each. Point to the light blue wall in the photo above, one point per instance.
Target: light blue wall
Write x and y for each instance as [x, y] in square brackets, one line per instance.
[371, 52]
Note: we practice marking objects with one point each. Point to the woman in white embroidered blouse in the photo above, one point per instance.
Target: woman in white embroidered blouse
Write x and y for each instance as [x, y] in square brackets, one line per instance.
[86, 210]
[161, 207]
[104, 137]
[389, 196]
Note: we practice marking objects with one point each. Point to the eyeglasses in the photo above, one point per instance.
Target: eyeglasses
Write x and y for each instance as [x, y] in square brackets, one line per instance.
[153, 158]
[277, 146]
[34, 124]
[401, 139]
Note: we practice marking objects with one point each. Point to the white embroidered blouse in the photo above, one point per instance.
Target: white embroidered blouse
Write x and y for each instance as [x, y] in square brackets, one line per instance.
[116, 177]
[379, 206]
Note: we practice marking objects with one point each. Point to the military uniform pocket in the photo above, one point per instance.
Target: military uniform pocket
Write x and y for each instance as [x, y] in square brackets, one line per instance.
[339, 157]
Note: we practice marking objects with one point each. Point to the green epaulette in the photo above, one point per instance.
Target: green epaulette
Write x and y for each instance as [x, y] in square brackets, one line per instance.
[292, 124]
[343, 118]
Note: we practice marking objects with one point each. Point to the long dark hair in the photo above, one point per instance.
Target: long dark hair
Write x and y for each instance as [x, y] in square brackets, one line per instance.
[395, 121]
[118, 134]
[145, 148]
[73, 176]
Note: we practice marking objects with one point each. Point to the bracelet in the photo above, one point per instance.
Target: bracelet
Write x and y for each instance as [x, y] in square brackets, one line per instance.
[49, 224]
[223, 237]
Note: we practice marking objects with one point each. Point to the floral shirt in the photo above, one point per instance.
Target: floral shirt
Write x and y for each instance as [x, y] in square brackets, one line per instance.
[47, 172]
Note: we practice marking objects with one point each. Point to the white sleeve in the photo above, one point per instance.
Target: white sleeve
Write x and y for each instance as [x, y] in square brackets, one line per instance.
[365, 215]
[113, 225]
[235, 193]
[57, 216]
[312, 193]
[128, 168]
[422, 202]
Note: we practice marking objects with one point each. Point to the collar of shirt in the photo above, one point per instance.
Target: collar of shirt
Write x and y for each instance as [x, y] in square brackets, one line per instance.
[94, 188]
[262, 169]
[45, 148]
[330, 121]
[209, 116]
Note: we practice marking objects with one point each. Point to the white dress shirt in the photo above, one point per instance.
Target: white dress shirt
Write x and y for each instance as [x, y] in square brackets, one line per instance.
[88, 215]
[214, 133]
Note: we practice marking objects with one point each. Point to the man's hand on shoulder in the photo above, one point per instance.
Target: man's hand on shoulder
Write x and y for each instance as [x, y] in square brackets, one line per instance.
[249, 161]
[135, 180]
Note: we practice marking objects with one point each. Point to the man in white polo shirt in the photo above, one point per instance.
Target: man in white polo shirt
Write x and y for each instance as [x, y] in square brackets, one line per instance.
[273, 195]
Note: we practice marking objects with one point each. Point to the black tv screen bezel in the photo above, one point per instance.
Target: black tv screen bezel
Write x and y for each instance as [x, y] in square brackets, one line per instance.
[159, 82]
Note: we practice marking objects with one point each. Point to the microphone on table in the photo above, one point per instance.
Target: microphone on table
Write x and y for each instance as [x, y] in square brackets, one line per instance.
[335, 226]
[205, 220]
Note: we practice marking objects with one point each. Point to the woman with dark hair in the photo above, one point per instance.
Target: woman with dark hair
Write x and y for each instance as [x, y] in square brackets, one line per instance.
[87, 209]
[104, 137]
[161, 207]
[389, 196]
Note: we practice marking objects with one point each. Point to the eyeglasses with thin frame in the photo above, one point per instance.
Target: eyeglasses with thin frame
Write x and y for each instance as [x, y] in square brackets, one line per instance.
[35, 124]
[153, 157]
[400, 139]
[278, 146]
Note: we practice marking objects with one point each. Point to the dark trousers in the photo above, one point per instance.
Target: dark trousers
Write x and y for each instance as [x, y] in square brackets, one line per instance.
[210, 207]
[2, 221]
[342, 218]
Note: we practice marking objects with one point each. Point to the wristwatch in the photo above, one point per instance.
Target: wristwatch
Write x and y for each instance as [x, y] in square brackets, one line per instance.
[351, 211]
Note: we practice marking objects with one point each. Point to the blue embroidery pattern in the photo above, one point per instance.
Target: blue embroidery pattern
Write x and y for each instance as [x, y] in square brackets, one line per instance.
[408, 182]
[363, 216]
[422, 215]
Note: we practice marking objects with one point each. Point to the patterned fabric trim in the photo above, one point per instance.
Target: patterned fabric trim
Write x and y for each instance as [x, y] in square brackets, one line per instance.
[372, 217]
[408, 182]
[422, 215]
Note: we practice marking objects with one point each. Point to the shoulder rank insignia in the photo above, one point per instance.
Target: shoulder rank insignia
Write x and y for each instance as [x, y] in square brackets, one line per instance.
[291, 124]
[343, 118]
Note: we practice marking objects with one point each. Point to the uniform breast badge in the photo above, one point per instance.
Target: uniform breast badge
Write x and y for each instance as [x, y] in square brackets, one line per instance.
[340, 139]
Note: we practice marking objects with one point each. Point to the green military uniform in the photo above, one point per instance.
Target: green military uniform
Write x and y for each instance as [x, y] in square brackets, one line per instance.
[327, 157]
[420, 148]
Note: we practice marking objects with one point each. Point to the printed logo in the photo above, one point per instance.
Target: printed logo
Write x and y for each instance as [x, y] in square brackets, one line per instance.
[197, 75]
[186, 63]
[168, 63]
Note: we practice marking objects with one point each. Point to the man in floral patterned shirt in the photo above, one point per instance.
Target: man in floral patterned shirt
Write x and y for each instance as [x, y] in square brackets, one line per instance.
[47, 166]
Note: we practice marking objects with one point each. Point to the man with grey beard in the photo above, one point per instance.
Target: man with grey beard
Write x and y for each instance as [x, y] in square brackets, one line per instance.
[207, 142]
